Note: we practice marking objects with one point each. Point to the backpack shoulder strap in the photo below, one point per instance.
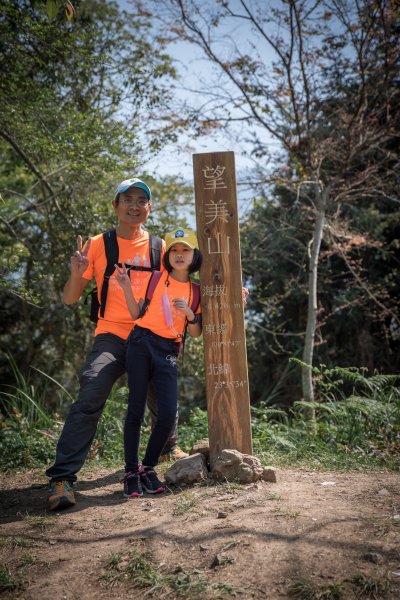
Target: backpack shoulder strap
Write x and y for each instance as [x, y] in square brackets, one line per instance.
[151, 286]
[155, 252]
[112, 252]
[194, 305]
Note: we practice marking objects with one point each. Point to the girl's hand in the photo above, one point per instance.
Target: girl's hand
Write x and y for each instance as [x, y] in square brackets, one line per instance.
[245, 293]
[122, 277]
[181, 304]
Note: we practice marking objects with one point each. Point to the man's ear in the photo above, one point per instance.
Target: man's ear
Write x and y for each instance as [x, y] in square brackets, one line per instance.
[115, 204]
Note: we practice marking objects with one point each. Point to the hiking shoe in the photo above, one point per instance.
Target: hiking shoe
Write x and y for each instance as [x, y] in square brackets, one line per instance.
[150, 482]
[61, 495]
[132, 485]
[175, 454]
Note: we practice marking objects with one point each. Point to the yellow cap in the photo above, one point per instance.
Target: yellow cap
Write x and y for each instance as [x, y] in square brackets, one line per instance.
[182, 236]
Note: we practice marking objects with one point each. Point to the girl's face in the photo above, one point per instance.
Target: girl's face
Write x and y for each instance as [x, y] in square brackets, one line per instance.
[180, 257]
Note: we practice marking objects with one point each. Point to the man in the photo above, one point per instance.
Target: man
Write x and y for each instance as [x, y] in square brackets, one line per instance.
[106, 362]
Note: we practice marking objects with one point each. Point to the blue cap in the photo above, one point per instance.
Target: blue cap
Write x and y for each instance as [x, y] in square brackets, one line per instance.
[128, 183]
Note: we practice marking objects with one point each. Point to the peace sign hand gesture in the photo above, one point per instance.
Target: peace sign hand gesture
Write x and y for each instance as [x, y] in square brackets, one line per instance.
[122, 277]
[79, 260]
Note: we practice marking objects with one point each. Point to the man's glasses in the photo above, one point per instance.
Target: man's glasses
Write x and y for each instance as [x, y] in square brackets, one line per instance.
[141, 203]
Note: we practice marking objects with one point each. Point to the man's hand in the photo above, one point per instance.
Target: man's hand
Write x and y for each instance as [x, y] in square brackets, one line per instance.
[122, 277]
[79, 260]
[245, 293]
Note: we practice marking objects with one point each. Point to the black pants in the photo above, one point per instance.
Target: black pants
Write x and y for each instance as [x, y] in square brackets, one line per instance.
[104, 365]
[150, 357]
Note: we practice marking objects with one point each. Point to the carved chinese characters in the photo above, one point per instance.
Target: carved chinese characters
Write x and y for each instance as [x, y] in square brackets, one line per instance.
[222, 305]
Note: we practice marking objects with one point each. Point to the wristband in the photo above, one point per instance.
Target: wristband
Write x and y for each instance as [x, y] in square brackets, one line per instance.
[195, 320]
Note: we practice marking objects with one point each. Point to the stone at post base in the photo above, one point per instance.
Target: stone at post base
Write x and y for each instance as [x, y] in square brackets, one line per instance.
[191, 469]
[202, 446]
[269, 474]
[230, 465]
[233, 465]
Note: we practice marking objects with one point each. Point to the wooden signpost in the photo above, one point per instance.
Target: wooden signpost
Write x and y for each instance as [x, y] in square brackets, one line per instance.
[224, 337]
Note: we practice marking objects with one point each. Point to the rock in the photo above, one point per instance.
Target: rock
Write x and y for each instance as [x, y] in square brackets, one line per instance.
[202, 447]
[373, 557]
[396, 519]
[269, 474]
[222, 514]
[216, 562]
[187, 470]
[220, 561]
[232, 464]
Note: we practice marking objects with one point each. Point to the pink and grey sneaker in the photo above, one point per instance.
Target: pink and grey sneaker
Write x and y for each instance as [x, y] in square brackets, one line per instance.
[132, 485]
[150, 482]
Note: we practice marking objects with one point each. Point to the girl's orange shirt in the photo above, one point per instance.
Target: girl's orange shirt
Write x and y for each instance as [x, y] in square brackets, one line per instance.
[117, 319]
[154, 318]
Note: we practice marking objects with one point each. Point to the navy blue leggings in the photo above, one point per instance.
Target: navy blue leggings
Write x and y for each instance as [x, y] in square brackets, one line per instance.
[150, 357]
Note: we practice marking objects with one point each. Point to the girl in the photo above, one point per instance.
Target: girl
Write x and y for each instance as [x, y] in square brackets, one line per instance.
[153, 347]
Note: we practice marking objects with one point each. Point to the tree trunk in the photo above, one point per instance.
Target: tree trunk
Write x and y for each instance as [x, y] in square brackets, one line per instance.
[306, 372]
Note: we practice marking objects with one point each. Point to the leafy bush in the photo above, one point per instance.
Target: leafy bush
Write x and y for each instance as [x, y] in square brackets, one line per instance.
[357, 431]
[361, 429]
[24, 449]
[27, 431]
[194, 429]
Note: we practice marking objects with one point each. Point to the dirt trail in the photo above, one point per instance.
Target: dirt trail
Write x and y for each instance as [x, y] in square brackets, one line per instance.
[209, 541]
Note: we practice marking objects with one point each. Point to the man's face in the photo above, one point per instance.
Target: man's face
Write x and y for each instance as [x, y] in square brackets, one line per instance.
[133, 207]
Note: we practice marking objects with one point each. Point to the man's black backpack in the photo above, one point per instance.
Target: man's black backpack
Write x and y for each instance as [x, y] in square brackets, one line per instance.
[112, 255]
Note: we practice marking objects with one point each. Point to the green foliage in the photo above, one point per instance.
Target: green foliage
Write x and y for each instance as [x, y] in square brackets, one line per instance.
[358, 430]
[141, 570]
[304, 589]
[109, 443]
[79, 101]
[191, 380]
[326, 95]
[22, 449]
[27, 430]
[53, 8]
[40, 522]
[27, 401]
[27, 559]
[371, 587]
[8, 582]
[194, 429]
[185, 502]
[352, 329]
[359, 586]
